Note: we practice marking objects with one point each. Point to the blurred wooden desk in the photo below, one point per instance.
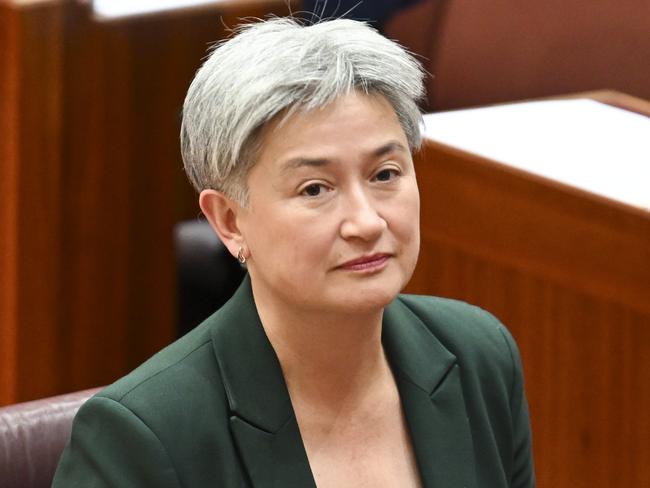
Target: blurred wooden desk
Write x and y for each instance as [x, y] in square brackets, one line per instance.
[568, 272]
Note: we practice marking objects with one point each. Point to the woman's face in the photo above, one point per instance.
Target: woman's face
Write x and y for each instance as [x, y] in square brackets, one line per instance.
[333, 218]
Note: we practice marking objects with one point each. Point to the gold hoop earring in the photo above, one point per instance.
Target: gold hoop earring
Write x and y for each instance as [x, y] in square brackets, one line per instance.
[240, 256]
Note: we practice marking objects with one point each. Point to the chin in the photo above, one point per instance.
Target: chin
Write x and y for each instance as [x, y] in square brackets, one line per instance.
[369, 300]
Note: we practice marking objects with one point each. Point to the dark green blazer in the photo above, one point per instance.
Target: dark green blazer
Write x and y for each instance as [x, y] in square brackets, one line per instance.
[213, 410]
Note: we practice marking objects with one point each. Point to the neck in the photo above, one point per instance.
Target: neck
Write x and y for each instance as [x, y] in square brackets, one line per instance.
[329, 361]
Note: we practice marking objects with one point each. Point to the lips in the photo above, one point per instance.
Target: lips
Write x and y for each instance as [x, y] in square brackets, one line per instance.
[370, 262]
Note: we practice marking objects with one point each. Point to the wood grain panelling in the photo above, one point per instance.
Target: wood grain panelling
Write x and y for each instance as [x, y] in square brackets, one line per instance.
[99, 235]
[569, 274]
[92, 173]
[8, 204]
[31, 192]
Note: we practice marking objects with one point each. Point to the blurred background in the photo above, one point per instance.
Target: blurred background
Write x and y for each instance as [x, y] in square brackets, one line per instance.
[104, 259]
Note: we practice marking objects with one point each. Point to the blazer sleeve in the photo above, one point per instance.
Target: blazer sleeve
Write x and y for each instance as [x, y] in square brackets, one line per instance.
[523, 472]
[110, 446]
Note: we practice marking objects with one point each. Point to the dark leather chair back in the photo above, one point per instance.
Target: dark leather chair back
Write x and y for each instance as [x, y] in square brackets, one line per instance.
[207, 275]
[32, 438]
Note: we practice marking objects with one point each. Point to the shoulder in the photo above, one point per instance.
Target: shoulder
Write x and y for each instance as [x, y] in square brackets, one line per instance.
[477, 338]
[173, 385]
[140, 430]
[173, 364]
[459, 325]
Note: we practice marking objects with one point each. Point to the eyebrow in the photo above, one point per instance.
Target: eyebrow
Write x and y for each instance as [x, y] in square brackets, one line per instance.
[388, 148]
[381, 151]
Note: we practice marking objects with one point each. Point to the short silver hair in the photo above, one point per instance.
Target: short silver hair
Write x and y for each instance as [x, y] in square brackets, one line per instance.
[279, 66]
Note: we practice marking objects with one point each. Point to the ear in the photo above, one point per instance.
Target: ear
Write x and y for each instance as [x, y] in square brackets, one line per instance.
[222, 213]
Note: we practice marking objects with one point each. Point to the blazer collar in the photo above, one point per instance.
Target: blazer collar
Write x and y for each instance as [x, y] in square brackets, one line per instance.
[429, 382]
[263, 423]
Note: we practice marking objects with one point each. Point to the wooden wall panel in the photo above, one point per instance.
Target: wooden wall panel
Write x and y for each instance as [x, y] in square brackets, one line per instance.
[31, 192]
[8, 189]
[99, 135]
[569, 274]
[92, 171]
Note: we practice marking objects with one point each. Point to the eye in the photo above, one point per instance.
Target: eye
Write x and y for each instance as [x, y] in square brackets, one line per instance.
[313, 190]
[387, 174]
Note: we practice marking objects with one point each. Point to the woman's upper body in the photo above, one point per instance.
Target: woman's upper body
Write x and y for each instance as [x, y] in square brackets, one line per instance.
[331, 234]
[299, 140]
[213, 408]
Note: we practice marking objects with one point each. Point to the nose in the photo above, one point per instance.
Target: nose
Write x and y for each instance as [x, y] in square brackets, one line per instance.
[361, 218]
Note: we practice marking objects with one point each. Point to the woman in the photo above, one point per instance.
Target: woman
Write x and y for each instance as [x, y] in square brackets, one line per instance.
[317, 372]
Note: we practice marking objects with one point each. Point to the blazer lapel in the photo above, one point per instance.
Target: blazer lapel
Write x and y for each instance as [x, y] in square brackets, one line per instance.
[428, 379]
[262, 423]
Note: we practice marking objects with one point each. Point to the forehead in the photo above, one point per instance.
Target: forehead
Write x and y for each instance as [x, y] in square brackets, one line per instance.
[353, 123]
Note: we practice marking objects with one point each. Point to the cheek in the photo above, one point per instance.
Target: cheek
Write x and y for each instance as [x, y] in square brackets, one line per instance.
[406, 216]
[312, 242]
[411, 240]
[409, 235]
[294, 242]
